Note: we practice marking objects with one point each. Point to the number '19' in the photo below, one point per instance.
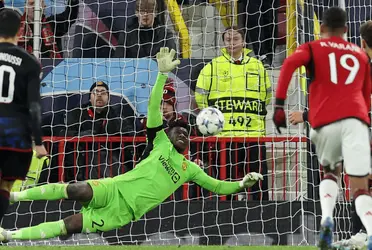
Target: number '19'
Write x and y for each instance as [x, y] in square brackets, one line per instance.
[353, 70]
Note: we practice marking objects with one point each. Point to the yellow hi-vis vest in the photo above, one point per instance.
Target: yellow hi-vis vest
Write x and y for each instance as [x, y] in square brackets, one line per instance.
[33, 174]
[240, 91]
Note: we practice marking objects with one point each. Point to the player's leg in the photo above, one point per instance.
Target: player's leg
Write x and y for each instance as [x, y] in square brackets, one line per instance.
[70, 225]
[107, 210]
[5, 187]
[328, 189]
[15, 166]
[356, 151]
[328, 147]
[103, 211]
[358, 238]
[359, 234]
[328, 192]
[80, 191]
[357, 223]
[329, 151]
[96, 215]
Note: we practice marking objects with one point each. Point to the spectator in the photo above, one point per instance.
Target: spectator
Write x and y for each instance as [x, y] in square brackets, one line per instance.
[98, 118]
[146, 35]
[259, 17]
[239, 86]
[52, 28]
[95, 117]
[168, 105]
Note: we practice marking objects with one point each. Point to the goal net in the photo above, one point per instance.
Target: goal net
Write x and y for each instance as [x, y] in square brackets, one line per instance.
[98, 52]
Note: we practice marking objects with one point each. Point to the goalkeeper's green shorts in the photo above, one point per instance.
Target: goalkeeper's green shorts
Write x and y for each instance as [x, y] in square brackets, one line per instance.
[107, 210]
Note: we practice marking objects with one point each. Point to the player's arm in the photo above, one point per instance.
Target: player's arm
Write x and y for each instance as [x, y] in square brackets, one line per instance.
[202, 86]
[154, 116]
[223, 187]
[367, 88]
[297, 117]
[165, 65]
[301, 57]
[33, 97]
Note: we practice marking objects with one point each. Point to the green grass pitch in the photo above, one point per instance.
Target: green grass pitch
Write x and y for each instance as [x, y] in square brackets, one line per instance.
[161, 248]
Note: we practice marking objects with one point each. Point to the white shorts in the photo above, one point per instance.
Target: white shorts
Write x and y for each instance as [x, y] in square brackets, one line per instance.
[346, 140]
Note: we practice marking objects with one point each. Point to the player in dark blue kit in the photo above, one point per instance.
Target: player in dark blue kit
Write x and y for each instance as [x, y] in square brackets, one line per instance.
[20, 118]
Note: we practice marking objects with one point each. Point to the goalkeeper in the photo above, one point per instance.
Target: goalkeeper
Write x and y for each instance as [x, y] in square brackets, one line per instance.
[111, 203]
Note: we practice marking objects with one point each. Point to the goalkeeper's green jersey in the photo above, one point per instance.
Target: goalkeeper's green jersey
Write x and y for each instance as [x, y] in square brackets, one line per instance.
[162, 170]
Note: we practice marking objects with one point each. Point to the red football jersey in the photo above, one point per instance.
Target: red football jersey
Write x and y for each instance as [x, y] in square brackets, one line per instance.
[340, 80]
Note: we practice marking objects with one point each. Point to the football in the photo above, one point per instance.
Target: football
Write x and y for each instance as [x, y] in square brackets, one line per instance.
[210, 121]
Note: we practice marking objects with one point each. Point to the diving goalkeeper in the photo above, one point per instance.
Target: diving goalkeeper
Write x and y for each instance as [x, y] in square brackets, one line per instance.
[111, 203]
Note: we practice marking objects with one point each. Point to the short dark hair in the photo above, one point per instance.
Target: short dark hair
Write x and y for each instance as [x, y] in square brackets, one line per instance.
[147, 5]
[366, 33]
[335, 18]
[235, 28]
[10, 21]
[98, 84]
[179, 123]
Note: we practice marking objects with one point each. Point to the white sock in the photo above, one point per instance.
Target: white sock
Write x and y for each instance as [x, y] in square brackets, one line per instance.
[328, 191]
[13, 196]
[8, 235]
[363, 207]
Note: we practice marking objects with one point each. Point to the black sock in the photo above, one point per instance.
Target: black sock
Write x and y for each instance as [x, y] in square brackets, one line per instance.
[4, 202]
[357, 223]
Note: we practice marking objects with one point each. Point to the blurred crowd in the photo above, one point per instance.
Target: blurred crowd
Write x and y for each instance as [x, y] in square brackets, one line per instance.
[130, 29]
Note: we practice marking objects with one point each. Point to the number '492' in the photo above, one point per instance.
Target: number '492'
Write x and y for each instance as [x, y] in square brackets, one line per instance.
[241, 120]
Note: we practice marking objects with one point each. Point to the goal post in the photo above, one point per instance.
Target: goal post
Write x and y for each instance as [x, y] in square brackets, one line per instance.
[292, 31]
[191, 215]
[180, 27]
[289, 215]
[228, 10]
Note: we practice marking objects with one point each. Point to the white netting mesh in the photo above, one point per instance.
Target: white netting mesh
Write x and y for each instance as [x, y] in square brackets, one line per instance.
[89, 34]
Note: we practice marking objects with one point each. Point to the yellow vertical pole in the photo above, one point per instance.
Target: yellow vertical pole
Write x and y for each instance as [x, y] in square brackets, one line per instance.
[292, 42]
[180, 26]
[235, 12]
[291, 26]
[228, 10]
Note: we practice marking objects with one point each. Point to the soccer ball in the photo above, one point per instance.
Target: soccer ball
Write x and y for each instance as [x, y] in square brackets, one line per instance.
[210, 121]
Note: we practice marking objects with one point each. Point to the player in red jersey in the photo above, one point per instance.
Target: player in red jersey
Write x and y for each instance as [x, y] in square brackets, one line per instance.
[339, 101]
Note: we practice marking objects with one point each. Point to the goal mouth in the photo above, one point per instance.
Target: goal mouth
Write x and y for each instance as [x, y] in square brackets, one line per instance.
[283, 209]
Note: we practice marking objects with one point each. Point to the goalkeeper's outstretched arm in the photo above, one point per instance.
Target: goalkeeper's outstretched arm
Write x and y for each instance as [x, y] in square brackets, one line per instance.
[165, 65]
[154, 117]
[225, 187]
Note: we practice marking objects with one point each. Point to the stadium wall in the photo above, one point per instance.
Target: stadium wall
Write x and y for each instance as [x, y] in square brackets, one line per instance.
[132, 79]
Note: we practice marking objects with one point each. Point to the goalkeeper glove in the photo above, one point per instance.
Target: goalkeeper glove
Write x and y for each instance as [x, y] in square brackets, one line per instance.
[165, 60]
[250, 179]
[279, 117]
